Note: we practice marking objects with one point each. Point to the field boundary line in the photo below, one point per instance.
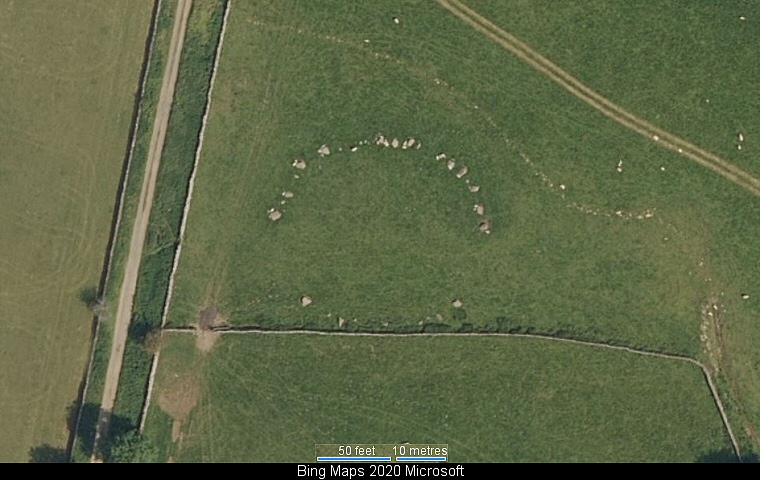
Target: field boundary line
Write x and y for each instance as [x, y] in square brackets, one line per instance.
[572, 341]
[139, 228]
[611, 110]
[186, 211]
[117, 222]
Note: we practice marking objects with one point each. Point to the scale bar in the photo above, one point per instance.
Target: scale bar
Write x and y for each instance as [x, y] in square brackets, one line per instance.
[420, 459]
[353, 459]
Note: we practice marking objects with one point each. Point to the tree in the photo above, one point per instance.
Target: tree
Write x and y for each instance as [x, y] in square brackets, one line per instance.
[94, 302]
[152, 341]
[133, 447]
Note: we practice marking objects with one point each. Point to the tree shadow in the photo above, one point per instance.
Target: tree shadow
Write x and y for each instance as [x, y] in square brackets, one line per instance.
[89, 297]
[84, 439]
[47, 453]
[750, 458]
[726, 455]
[140, 329]
[88, 424]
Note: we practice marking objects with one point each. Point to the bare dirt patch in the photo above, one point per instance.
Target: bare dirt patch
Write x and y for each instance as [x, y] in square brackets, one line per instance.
[205, 340]
[176, 430]
[205, 336]
[207, 318]
[178, 399]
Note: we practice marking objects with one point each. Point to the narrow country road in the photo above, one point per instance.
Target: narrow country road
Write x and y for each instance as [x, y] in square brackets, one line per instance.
[129, 282]
[525, 53]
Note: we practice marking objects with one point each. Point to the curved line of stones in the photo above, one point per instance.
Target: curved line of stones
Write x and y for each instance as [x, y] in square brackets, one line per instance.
[554, 186]
[461, 172]
[484, 224]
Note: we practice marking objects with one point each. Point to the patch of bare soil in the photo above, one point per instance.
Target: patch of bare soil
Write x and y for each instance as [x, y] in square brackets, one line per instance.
[178, 399]
[207, 318]
[205, 336]
[176, 430]
[205, 340]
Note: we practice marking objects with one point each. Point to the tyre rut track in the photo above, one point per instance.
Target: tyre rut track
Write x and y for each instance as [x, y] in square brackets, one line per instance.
[509, 42]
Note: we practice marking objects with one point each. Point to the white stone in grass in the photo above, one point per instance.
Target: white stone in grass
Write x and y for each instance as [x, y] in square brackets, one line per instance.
[451, 164]
[395, 143]
[287, 194]
[474, 188]
[456, 303]
[479, 208]
[440, 156]
[299, 164]
[324, 150]
[305, 300]
[274, 214]
[462, 171]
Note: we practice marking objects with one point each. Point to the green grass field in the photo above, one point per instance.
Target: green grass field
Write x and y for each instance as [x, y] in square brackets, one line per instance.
[388, 236]
[68, 73]
[386, 239]
[688, 67]
[685, 66]
[271, 398]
